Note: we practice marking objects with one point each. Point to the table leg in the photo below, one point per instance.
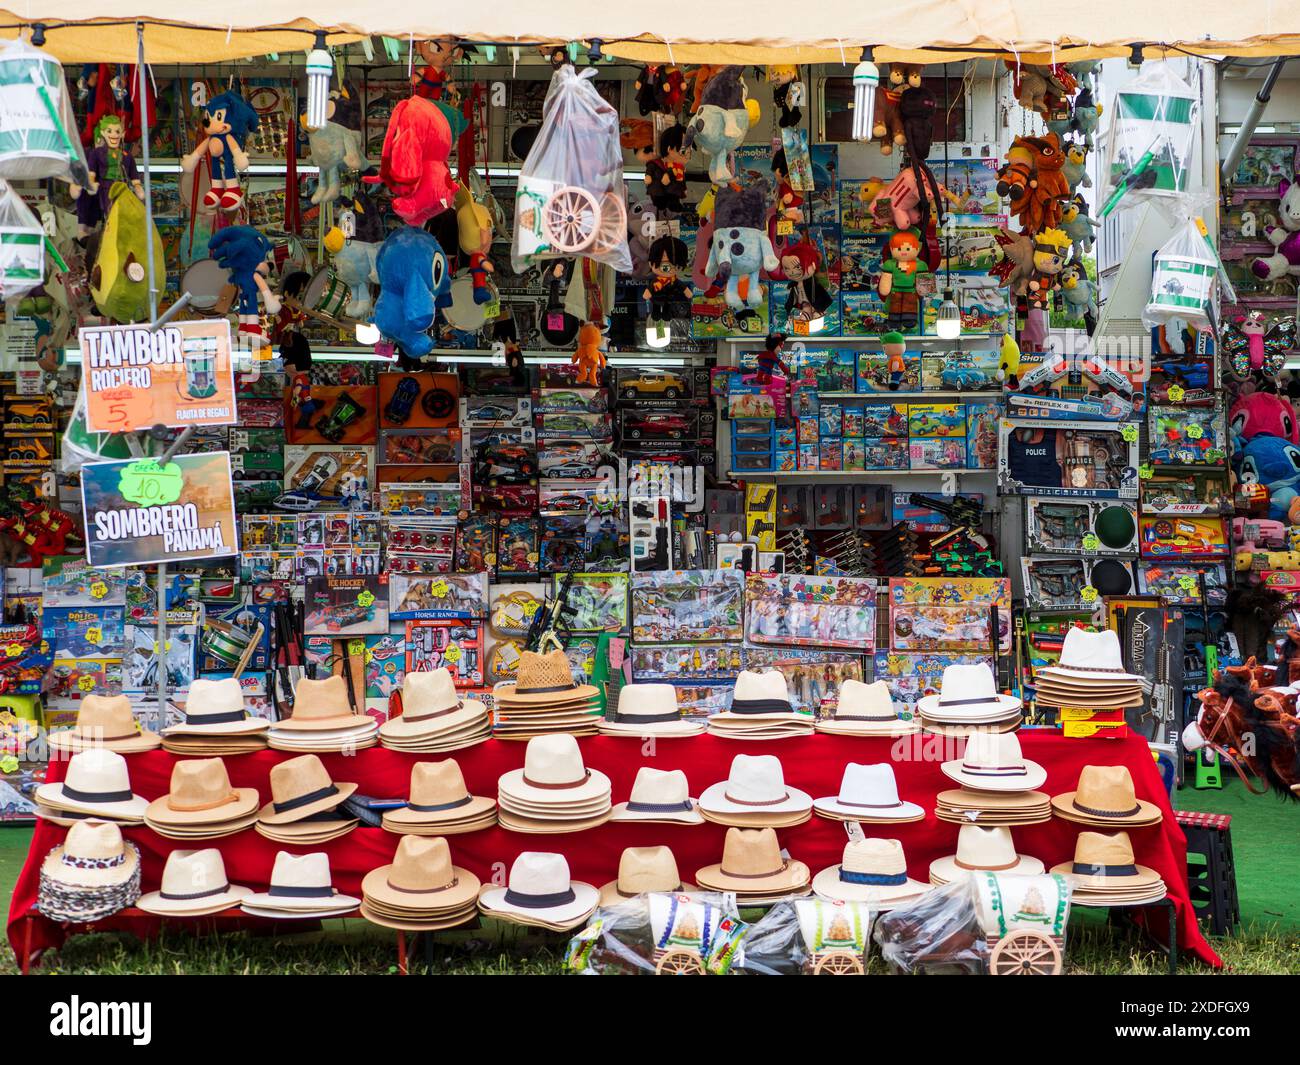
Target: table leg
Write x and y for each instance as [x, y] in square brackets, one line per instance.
[1173, 937]
[401, 953]
[27, 945]
[428, 951]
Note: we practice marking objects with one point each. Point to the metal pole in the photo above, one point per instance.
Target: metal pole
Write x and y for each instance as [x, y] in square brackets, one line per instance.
[160, 631]
[1249, 123]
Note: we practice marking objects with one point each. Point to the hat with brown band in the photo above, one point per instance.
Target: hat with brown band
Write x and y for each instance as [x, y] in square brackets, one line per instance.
[554, 775]
[105, 721]
[421, 878]
[643, 869]
[543, 679]
[431, 705]
[981, 849]
[200, 794]
[755, 785]
[1105, 796]
[752, 864]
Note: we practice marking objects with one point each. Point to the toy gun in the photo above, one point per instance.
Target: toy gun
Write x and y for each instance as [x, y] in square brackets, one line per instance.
[549, 623]
[960, 511]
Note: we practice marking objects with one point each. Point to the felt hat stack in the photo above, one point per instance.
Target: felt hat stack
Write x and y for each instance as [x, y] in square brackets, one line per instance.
[434, 718]
[866, 710]
[96, 786]
[540, 893]
[306, 805]
[659, 796]
[323, 720]
[868, 793]
[968, 701]
[983, 850]
[997, 784]
[105, 721]
[753, 869]
[216, 722]
[201, 804]
[554, 792]
[648, 710]
[543, 699]
[421, 891]
[872, 871]
[1105, 798]
[1090, 674]
[300, 889]
[1105, 873]
[91, 875]
[640, 870]
[194, 883]
[755, 795]
[440, 804]
[760, 710]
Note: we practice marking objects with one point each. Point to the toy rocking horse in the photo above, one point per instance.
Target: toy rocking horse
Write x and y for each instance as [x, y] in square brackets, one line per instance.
[1259, 725]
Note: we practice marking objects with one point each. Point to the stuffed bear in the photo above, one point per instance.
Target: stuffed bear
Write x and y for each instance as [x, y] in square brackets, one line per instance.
[1285, 237]
[414, 162]
[245, 252]
[414, 283]
[119, 280]
[227, 122]
[740, 248]
[723, 119]
[888, 127]
[334, 146]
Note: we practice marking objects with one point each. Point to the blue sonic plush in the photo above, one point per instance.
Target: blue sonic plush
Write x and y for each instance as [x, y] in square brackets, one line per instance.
[720, 125]
[739, 247]
[245, 253]
[413, 285]
[1274, 463]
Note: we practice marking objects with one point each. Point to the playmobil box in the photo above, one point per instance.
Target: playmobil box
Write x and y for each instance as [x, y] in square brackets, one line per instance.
[808, 457]
[855, 454]
[808, 429]
[830, 420]
[936, 419]
[936, 453]
[874, 374]
[831, 455]
[884, 454]
[882, 419]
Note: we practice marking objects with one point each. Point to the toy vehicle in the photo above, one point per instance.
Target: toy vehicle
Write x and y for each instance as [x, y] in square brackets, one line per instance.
[1191, 375]
[321, 471]
[566, 401]
[567, 423]
[666, 426]
[346, 411]
[960, 371]
[298, 501]
[568, 502]
[493, 412]
[578, 470]
[500, 464]
[402, 401]
[28, 415]
[667, 385]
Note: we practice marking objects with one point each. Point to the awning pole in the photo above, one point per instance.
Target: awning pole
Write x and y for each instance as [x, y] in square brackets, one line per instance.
[1248, 124]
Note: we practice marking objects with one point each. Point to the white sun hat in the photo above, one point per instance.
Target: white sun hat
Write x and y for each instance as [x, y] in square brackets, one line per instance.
[981, 850]
[649, 710]
[659, 795]
[193, 883]
[97, 782]
[216, 708]
[759, 697]
[755, 785]
[967, 691]
[554, 774]
[869, 793]
[1091, 656]
[540, 889]
[993, 761]
[301, 883]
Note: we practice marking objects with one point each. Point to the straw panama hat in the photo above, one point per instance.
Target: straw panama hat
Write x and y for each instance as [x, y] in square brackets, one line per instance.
[553, 774]
[967, 691]
[649, 710]
[1105, 861]
[301, 787]
[193, 883]
[200, 794]
[1105, 796]
[982, 849]
[421, 876]
[659, 795]
[105, 721]
[321, 704]
[438, 792]
[992, 761]
[643, 869]
[97, 782]
[869, 792]
[759, 697]
[431, 703]
[540, 889]
[752, 864]
[216, 708]
[755, 785]
[92, 855]
[871, 870]
[1091, 656]
[301, 882]
[545, 679]
[866, 709]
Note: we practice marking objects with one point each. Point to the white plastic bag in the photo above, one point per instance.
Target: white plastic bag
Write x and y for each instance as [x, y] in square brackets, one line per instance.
[1182, 280]
[38, 131]
[1152, 134]
[22, 245]
[571, 200]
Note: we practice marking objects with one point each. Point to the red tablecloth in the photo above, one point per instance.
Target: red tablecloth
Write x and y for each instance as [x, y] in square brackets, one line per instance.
[814, 764]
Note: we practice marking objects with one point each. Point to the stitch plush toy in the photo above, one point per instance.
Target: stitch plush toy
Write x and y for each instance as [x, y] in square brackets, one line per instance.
[588, 358]
[1263, 414]
[227, 122]
[414, 162]
[244, 252]
[720, 125]
[414, 283]
[1285, 237]
[740, 247]
[354, 265]
[1274, 463]
[888, 127]
[1076, 221]
[334, 146]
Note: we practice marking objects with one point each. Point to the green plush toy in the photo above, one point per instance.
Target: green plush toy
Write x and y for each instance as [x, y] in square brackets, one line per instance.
[119, 280]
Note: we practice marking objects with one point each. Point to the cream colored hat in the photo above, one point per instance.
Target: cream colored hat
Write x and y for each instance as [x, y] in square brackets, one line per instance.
[869, 793]
[438, 792]
[866, 709]
[755, 785]
[649, 710]
[216, 708]
[554, 774]
[200, 794]
[105, 721]
[301, 882]
[421, 877]
[97, 782]
[193, 883]
[431, 704]
[321, 705]
[871, 870]
[760, 695]
[1090, 657]
[992, 761]
[659, 795]
[1105, 863]
[967, 691]
[983, 850]
[643, 869]
[301, 787]
[1105, 796]
[752, 865]
[540, 889]
[92, 855]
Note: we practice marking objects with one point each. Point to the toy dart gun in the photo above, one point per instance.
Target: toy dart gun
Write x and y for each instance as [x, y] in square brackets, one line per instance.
[963, 553]
[959, 511]
[550, 628]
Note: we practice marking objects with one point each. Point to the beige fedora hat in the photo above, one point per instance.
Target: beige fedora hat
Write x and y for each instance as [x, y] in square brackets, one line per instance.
[981, 849]
[554, 774]
[540, 889]
[97, 782]
[759, 697]
[301, 787]
[200, 794]
[431, 704]
[643, 869]
[216, 708]
[866, 710]
[193, 883]
[1091, 657]
[868, 793]
[92, 855]
[438, 793]
[105, 721]
[871, 870]
[1104, 862]
[649, 710]
[543, 679]
[967, 691]
[300, 882]
[659, 795]
[755, 785]
[321, 705]
[1105, 796]
[992, 761]
[752, 864]
[421, 878]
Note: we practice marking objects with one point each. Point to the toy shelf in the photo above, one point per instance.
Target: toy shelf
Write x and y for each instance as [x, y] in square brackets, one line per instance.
[891, 397]
[966, 340]
[847, 475]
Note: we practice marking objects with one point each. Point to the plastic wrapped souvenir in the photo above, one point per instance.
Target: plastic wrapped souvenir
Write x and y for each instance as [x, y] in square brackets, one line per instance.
[22, 245]
[663, 934]
[1152, 134]
[37, 126]
[1182, 280]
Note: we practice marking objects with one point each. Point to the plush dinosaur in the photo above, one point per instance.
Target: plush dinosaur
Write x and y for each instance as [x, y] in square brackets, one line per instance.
[119, 280]
[414, 283]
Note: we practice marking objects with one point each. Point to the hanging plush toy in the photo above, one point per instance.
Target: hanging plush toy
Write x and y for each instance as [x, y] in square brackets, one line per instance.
[787, 91]
[740, 247]
[104, 93]
[1041, 88]
[665, 175]
[789, 201]
[917, 107]
[647, 96]
[1274, 463]
[335, 146]
[806, 297]
[1254, 345]
[588, 358]
[888, 128]
[119, 280]
[414, 162]
[432, 81]
[719, 126]
[414, 282]
[227, 122]
[898, 277]
[474, 229]
[1263, 414]
[1076, 166]
[245, 253]
[1285, 237]
[1034, 181]
[106, 163]
[1035, 276]
[1076, 221]
[1079, 295]
[354, 265]
[667, 295]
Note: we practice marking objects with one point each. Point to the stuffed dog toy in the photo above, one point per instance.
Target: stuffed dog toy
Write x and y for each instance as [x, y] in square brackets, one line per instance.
[414, 282]
[740, 247]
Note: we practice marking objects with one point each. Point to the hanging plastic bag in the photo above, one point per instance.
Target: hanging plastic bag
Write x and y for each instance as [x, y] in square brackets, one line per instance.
[1182, 280]
[1152, 135]
[571, 200]
[38, 136]
[694, 933]
[22, 245]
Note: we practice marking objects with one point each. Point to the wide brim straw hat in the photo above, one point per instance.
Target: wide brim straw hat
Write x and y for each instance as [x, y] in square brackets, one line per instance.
[96, 857]
[967, 692]
[1105, 796]
[321, 705]
[465, 713]
[105, 721]
[216, 700]
[1091, 657]
[201, 794]
[543, 680]
[95, 772]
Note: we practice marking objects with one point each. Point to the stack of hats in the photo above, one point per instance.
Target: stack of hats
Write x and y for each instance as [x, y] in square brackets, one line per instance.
[754, 795]
[969, 701]
[753, 869]
[1105, 798]
[194, 883]
[434, 718]
[760, 710]
[872, 871]
[1090, 674]
[648, 710]
[541, 894]
[659, 796]
[104, 721]
[300, 888]
[323, 720]
[306, 805]
[641, 870]
[554, 792]
[421, 891]
[1104, 873]
[997, 784]
[96, 786]
[868, 793]
[201, 804]
[91, 875]
[866, 710]
[543, 699]
[216, 722]
[440, 804]
[983, 850]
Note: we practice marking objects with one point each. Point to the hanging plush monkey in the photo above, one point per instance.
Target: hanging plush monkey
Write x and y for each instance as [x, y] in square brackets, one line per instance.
[916, 108]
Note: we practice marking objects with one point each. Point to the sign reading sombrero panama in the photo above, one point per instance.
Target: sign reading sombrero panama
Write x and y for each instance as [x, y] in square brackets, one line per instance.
[135, 378]
[142, 511]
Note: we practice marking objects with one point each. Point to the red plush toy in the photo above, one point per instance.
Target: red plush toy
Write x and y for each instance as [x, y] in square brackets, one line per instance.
[414, 161]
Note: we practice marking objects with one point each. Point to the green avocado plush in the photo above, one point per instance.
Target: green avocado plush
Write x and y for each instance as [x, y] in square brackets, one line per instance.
[119, 280]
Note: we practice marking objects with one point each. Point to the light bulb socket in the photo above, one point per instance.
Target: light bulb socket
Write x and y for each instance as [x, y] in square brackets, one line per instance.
[868, 54]
[1135, 56]
[38, 34]
[594, 53]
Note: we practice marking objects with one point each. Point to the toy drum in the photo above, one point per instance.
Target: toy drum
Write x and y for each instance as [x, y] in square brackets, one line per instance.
[204, 281]
[326, 295]
[200, 366]
[225, 642]
[463, 313]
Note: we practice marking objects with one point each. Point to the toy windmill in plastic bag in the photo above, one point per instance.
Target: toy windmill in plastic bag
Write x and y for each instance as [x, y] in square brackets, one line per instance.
[22, 245]
[1152, 133]
[37, 126]
[571, 200]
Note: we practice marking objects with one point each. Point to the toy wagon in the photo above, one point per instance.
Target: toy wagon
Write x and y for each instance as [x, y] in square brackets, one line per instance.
[691, 937]
[835, 934]
[1024, 919]
[567, 219]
